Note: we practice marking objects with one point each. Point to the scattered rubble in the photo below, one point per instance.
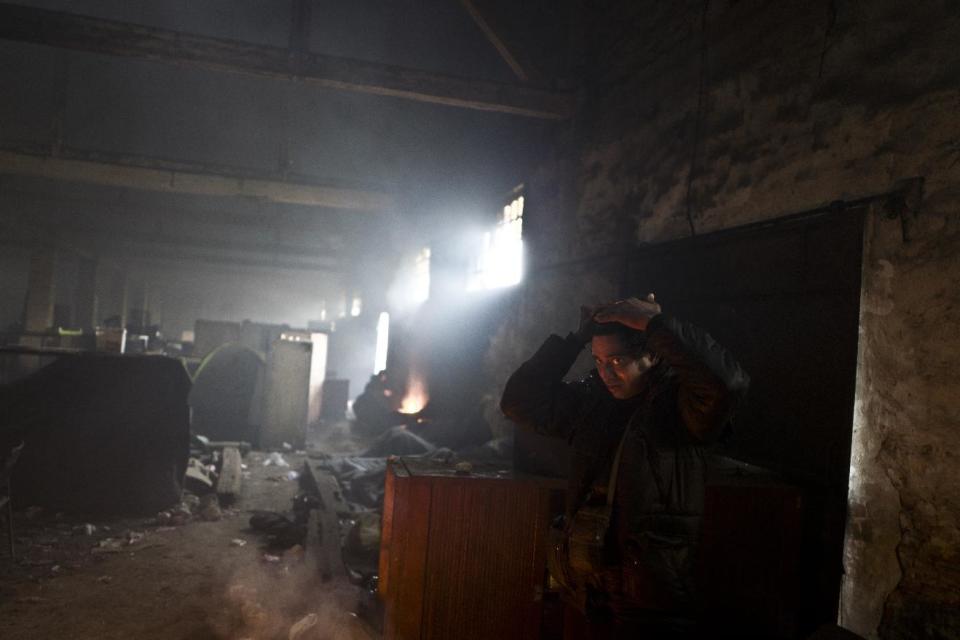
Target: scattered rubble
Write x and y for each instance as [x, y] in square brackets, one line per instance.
[281, 531]
[231, 474]
[109, 545]
[198, 479]
[209, 508]
[275, 459]
[133, 537]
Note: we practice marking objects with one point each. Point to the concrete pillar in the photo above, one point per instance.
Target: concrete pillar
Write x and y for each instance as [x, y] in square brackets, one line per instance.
[900, 555]
[145, 305]
[86, 294]
[124, 296]
[41, 290]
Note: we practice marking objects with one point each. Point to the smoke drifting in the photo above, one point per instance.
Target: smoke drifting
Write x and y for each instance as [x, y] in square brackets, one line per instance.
[286, 600]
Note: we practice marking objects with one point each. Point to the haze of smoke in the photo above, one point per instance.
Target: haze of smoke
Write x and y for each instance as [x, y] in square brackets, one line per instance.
[267, 601]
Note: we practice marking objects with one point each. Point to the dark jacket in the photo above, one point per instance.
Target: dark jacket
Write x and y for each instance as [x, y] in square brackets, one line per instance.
[686, 404]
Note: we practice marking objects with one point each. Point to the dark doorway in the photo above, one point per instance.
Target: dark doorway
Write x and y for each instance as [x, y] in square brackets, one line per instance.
[784, 296]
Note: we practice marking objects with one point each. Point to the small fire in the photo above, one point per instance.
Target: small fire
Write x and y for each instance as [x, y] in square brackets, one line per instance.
[416, 398]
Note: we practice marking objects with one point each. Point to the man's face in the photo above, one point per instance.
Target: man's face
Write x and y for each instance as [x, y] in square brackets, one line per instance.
[620, 371]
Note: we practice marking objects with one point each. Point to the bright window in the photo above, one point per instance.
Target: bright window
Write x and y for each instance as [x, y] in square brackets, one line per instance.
[383, 342]
[500, 260]
[420, 287]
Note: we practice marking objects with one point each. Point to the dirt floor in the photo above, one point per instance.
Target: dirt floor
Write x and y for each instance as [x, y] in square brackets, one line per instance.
[146, 578]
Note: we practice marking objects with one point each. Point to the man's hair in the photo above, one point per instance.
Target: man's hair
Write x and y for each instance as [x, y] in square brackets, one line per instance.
[635, 341]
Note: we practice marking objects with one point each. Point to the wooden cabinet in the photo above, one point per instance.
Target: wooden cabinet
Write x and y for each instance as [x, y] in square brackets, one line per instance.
[463, 556]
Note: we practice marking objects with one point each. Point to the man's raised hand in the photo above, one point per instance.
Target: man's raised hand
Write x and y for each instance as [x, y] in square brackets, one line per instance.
[632, 312]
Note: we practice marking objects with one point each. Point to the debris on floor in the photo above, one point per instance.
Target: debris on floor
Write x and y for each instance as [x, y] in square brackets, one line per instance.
[276, 459]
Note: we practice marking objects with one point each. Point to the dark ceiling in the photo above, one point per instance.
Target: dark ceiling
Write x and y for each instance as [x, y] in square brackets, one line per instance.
[81, 105]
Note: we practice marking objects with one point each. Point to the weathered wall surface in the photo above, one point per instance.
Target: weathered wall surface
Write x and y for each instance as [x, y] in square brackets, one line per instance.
[772, 108]
[14, 265]
[903, 534]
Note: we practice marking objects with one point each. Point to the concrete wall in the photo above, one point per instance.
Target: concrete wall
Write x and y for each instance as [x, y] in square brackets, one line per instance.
[181, 295]
[775, 108]
[14, 268]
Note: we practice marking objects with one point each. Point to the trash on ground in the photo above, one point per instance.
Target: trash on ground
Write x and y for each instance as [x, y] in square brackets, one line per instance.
[296, 552]
[109, 545]
[198, 478]
[300, 628]
[275, 459]
[282, 531]
[209, 509]
[133, 537]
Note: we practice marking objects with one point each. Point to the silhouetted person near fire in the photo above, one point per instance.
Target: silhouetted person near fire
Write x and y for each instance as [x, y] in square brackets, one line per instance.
[662, 391]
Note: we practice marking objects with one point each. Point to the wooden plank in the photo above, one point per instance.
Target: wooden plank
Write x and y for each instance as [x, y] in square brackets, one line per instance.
[386, 532]
[39, 26]
[407, 558]
[192, 180]
[231, 476]
[481, 581]
[463, 556]
[323, 530]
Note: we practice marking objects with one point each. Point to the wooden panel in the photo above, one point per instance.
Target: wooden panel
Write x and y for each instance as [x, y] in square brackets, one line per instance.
[386, 532]
[404, 555]
[481, 562]
[463, 557]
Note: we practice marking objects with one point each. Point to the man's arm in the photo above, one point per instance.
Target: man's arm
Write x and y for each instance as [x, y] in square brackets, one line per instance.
[710, 381]
[536, 397]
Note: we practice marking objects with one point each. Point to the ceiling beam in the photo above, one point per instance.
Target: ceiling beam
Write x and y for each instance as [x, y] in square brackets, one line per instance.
[131, 244]
[126, 253]
[111, 218]
[124, 210]
[136, 255]
[40, 26]
[521, 67]
[149, 175]
[263, 250]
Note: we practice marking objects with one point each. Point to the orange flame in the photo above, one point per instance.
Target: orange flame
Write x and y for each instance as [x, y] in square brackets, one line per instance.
[416, 398]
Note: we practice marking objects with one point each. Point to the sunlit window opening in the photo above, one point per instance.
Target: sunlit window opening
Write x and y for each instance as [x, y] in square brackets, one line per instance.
[383, 342]
[420, 285]
[356, 305]
[500, 261]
